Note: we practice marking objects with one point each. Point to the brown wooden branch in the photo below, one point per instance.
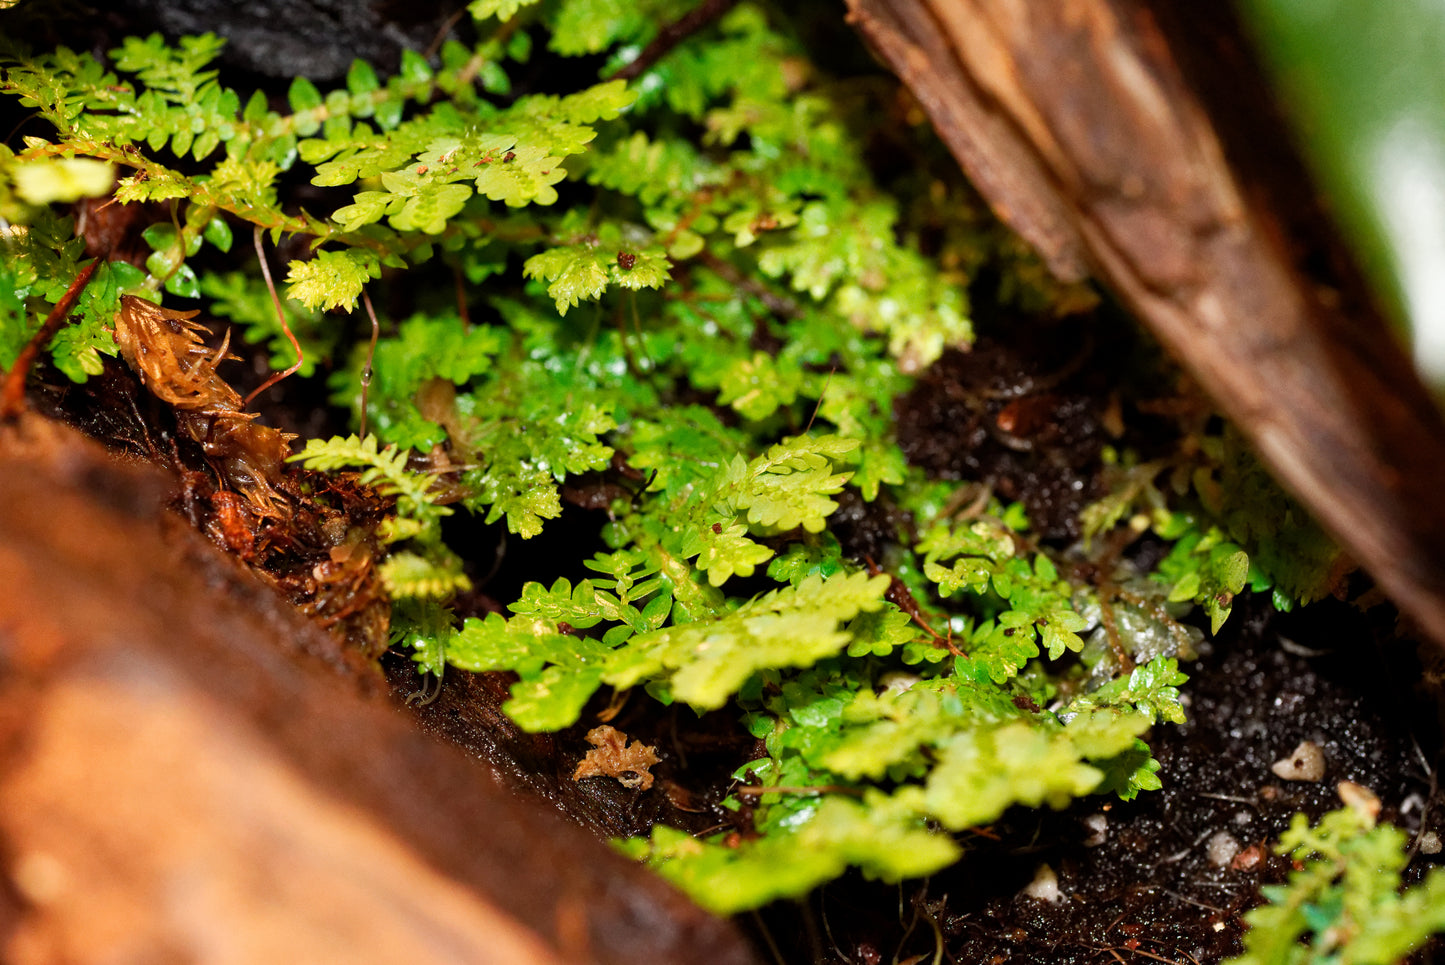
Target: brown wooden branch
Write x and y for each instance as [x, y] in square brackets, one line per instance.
[191, 771]
[1076, 122]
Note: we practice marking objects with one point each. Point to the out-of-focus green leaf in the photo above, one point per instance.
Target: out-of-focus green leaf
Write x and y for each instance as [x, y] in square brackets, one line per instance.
[1364, 84]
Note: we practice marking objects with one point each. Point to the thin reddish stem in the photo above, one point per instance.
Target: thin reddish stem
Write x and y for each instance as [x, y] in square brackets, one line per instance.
[281, 315]
[12, 396]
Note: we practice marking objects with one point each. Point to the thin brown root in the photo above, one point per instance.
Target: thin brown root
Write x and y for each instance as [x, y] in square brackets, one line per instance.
[220, 355]
[956, 510]
[1161, 958]
[754, 791]
[768, 939]
[1111, 630]
[281, 315]
[828, 930]
[370, 357]
[821, 396]
[641, 335]
[614, 706]
[463, 312]
[425, 695]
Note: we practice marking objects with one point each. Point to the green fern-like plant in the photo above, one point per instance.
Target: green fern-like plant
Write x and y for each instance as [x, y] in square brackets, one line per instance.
[1345, 903]
[690, 292]
[425, 566]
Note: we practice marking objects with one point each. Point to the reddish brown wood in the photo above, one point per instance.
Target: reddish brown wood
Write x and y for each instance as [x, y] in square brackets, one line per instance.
[1073, 118]
[189, 771]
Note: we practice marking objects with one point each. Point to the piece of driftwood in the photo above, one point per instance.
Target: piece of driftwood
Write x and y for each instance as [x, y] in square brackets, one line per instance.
[1075, 120]
[191, 772]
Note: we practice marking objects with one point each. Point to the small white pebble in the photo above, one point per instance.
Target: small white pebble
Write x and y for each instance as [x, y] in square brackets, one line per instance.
[897, 682]
[1429, 843]
[1305, 763]
[1045, 886]
[1221, 848]
[1360, 798]
[1098, 828]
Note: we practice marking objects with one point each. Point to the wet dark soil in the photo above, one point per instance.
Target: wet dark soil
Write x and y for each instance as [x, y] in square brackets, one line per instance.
[1167, 876]
[1030, 414]
[698, 754]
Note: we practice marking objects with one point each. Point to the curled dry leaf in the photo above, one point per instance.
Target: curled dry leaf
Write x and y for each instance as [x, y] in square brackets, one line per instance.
[613, 756]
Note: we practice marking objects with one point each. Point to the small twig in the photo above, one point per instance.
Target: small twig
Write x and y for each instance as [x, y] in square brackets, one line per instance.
[1139, 951]
[281, 315]
[1233, 798]
[370, 357]
[12, 397]
[672, 35]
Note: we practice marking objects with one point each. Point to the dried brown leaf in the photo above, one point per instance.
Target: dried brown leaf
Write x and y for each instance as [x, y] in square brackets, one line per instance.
[613, 756]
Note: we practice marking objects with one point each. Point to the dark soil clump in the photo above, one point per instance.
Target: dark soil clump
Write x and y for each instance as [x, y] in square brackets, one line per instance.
[1023, 415]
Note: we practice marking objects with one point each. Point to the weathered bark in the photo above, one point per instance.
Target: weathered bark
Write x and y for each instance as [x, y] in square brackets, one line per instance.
[190, 771]
[1075, 121]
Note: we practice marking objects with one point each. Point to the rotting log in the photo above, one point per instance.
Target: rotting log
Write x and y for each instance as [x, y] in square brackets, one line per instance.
[1078, 123]
[190, 771]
